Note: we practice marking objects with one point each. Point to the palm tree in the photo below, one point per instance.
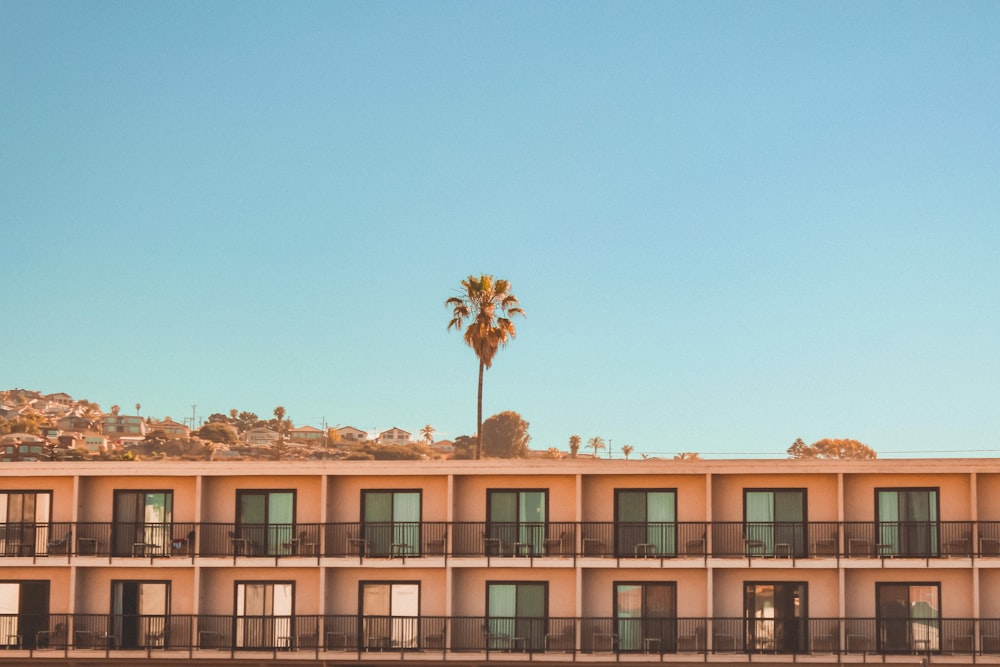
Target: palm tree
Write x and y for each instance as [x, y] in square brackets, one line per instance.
[427, 433]
[115, 410]
[626, 450]
[138, 406]
[279, 415]
[278, 449]
[596, 443]
[574, 445]
[489, 305]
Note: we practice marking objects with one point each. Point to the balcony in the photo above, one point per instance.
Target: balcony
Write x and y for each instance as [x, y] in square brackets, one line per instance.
[533, 541]
[339, 636]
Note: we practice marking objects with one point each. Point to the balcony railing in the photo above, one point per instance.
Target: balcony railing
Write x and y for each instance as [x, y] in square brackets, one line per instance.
[360, 634]
[533, 540]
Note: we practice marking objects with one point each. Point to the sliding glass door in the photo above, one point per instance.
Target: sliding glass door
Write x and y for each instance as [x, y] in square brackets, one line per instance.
[264, 615]
[776, 617]
[391, 522]
[25, 516]
[645, 522]
[264, 522]
[646, 616]
[907, 522]
[516, 521]
[909, 617]
[516, 616]
[390, 615]
[774, 522]
[141, 522]
[139, 613]
[24, 612]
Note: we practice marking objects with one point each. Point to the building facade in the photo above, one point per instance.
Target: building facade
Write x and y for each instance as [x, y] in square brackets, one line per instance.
[500, 562]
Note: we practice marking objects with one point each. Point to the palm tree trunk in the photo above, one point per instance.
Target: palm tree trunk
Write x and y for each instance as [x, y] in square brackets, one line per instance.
[479, 415]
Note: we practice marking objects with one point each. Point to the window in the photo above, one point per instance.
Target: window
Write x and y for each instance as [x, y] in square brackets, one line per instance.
[774, 522]
[25, 516]
[24, 612]
[516, 521]
[645, 522]
[646, 616]
[516, 615]
[776, 616]
[390, 614]
[264, 614]
[141, 522]
[391, 522]
[909, 617]
[264, 522]
[139, 611]
[907, 522]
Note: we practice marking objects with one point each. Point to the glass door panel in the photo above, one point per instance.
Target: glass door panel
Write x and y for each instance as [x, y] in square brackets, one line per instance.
[907, 522]
[776, 617]
[645, 523]
[141, 522]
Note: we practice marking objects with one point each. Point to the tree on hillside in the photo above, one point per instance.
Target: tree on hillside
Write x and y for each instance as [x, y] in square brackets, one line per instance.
[218, 418]
[831, 448]
[218, 432]
[596, 443]
[280, 448]
[687, 456]
[626, 450]
[233, 413]
[427, 434]
[574, 445]
[246, 421]
[489, 306]
[115, 409]
[465, 447]
[138, 406]
[505, 435]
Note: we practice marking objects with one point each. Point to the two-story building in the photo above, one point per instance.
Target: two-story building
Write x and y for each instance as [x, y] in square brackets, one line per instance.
[501, 562]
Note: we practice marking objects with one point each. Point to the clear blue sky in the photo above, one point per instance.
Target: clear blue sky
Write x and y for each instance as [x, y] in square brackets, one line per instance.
[731, 224]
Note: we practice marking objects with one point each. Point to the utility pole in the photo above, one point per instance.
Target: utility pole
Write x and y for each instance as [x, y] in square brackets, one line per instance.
[193, 407]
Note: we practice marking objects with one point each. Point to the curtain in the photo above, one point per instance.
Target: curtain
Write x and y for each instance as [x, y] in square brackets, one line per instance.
[406, 518]
[661, 515]
[628, 607]
[532, 517]
[760, 518]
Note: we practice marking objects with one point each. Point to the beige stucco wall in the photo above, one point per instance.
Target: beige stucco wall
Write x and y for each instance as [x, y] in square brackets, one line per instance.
[598, 589]
[218, 587]
[344, 494]
[470, 494]
[956, 589]
[61, 488]
[342, 587]
[599, 494]
[954, 496]
[219, 495]
[470, 588]
[822, 589]
[821, 493]
[97, 495]
[93, 587]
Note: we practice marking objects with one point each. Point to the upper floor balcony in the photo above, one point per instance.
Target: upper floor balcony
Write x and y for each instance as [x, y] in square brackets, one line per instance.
[490, 637]
[532, 540]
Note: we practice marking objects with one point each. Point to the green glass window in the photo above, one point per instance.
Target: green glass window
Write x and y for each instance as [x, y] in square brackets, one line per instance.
[645, 522]
[391, 521]
[265, 521]
[517, 615]
[907, 521]
[775, 521]
[516, 521]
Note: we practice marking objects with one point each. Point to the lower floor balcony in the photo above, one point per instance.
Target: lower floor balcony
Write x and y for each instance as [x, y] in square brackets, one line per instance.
[490, 637]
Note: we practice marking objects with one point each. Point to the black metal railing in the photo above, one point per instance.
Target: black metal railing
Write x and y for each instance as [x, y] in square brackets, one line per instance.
[552, 539]
[345, 634]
